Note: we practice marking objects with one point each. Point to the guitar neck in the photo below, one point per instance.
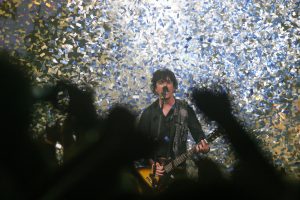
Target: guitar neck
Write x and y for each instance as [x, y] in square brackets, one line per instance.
[180, 159]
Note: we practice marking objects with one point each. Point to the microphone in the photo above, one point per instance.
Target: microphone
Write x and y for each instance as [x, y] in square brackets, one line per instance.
[165, 90]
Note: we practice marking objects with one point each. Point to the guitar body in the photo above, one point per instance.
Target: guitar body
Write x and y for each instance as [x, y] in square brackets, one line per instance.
[147, 175]
[172, 169]
[157, 183]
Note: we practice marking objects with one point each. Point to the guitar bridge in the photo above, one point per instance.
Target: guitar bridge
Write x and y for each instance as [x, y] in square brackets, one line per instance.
[149, 179]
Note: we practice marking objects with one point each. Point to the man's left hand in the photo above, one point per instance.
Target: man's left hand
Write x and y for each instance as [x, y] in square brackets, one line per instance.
[202, 147]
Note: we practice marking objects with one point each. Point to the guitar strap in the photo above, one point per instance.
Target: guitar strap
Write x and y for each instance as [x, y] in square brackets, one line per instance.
[180, 125]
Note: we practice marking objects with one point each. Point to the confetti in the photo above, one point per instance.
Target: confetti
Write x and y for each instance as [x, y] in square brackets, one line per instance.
[250, 48]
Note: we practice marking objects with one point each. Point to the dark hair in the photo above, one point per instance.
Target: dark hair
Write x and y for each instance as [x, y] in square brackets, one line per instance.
[163, 74]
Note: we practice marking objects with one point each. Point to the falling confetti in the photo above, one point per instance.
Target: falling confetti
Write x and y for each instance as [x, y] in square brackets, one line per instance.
[249, 47]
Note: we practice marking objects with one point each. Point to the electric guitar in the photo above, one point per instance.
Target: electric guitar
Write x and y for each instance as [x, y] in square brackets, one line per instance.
[159, 182]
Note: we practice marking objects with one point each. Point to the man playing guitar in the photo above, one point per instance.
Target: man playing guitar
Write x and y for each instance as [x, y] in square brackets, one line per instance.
[168, 121]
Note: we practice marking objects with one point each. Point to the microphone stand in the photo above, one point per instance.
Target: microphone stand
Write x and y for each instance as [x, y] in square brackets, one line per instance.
[163, 99]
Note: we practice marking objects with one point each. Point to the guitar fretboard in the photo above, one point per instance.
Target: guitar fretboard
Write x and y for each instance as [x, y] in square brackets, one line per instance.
[180, 159]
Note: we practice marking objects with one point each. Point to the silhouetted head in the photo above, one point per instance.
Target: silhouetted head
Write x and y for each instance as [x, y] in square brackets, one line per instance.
[16, 97]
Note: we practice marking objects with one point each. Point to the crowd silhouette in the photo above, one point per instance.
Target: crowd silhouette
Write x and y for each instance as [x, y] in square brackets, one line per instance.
[98, 164]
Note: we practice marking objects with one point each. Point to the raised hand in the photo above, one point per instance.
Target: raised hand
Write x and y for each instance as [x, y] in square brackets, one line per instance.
[215, 105]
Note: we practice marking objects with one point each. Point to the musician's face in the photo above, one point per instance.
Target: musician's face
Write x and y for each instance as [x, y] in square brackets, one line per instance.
[161, 84]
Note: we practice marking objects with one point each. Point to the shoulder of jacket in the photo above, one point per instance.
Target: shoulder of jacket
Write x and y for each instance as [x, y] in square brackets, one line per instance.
[150, 107]
[182, 102]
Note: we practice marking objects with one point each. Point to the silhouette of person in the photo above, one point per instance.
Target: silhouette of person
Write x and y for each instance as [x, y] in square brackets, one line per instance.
[253, 177]
[23, 165]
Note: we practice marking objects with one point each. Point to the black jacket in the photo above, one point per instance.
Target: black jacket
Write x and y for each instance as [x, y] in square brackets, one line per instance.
[180, 120]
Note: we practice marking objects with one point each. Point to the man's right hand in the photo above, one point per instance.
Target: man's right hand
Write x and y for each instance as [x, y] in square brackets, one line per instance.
[159, 170]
